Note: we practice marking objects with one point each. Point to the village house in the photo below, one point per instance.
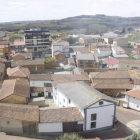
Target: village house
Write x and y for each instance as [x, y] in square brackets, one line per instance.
[68, 119]
[58, 56]
[60, 46]
[88, 60]
[111, 83]
[108, 37]
[92, 39]
[19, 119]
[4, 51]
[75, 51]
[135, 76]
[18, 45]
[89, 102]
[15, 91]
[22, 56]
[104, 52]
[40, 85]
[137, 30]
[2, 71]
[111, 62]
[18, 72]
[120, 41]
[71, 61]
[128, 64]
[132, 99]
[37, 64]
[117, 50]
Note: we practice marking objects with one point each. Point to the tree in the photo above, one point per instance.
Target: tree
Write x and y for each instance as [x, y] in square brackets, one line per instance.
[70, 137]
[135, 136]
[123, 30]
[129, 29]
[20, 31]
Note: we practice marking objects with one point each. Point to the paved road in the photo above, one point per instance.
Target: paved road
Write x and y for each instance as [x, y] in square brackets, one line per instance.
[123, 116]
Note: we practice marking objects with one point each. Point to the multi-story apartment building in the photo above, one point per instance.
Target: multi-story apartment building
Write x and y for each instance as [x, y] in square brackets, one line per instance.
[38, 42]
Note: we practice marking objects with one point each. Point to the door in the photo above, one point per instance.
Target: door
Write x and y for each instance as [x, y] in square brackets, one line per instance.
[49, 94]
[35, 49]
[69, 127]
[29, 128]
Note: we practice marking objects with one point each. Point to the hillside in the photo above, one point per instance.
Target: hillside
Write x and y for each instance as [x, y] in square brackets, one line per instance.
[78, 24]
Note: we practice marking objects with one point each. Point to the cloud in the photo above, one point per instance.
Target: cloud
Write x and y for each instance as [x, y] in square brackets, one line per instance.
[16, 3]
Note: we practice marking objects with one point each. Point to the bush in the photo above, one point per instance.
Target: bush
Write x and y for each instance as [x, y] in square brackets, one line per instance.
[70, 137]
[135, 136]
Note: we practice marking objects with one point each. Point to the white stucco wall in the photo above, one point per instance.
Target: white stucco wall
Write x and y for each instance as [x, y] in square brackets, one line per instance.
[104, 114]
[35, 83]
[116, 66]
[104, 53]
[133, 103]
[50, 127]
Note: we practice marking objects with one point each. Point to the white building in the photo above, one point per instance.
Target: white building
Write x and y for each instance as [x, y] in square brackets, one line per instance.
[117, 50]
[111, 62]
[40, 84]
[91, 104]
[61, 46]
[103, 52]
[132, 99]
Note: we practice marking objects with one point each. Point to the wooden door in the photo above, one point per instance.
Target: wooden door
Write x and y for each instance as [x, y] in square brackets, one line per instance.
[69, 127]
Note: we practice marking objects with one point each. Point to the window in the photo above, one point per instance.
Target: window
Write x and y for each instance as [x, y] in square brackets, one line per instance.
[81, 62]
[33, 68]
[8, 122]
[86, 61]
[47, 84]
[93, 125]
[101, 103]
[63, 100]
[93, 117]
[127, 65]
[69, 101]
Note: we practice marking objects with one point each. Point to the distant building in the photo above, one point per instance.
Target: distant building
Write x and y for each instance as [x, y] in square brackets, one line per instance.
[18, 45]
[15, 91]
[104, 52]
[60, 46]
[111, 62]
[37, 41]
[111, 83]
[58, 56]
[108, 37]
[88, 60]
[120, 41]
[132, 99]
[128, 64]
[137, 30]
[37, 64]
[4, 51]
[22, 56]
[18, 72]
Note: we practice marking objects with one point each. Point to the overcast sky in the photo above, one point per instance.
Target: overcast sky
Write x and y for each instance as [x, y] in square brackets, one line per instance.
[20, 10]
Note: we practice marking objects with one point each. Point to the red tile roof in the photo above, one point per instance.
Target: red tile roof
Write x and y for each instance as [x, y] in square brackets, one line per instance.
[66, 114]
[18, 72]
[111, 61]
[134, 93]
[111, 86]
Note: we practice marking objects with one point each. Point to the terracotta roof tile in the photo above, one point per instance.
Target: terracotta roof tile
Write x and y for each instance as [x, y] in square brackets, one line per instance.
[111, 86]
[66, 114]
[110, 74]
[27, 62]
[134, 93]
[16, 86]
[36, 89]
[40, 77]
[19, 112]
[111, 61]
[129, 61]
[18, 72]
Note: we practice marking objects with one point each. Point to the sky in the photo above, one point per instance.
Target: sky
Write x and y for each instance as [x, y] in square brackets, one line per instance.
[22, 10]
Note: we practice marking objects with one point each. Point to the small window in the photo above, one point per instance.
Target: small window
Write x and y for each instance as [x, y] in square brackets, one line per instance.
[63, 100]
[127, 65]
[93, 125]
[8, 122]
[69, 101]
[86, 61]
[101, 103]
[93, 117]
